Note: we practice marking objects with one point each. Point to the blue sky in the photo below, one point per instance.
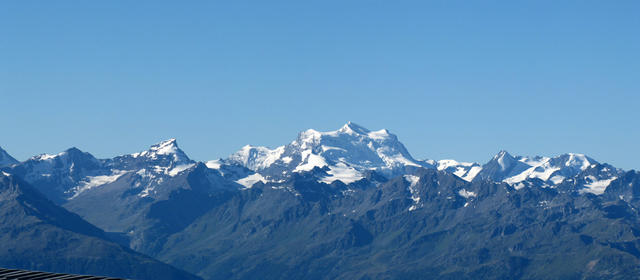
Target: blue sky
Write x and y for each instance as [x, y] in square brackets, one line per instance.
[453, 79]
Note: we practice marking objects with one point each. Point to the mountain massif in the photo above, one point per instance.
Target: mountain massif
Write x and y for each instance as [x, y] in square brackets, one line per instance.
[350, 203]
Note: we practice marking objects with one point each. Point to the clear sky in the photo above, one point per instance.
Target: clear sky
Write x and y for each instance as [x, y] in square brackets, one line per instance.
[453, 79]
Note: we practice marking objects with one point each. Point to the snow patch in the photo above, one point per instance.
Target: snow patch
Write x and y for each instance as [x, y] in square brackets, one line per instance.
[518, 185]
[597, 187]
[256, 158]
[250, 180]
[91, 182]
[467, 194]
[379, 135]
[287, 160]
[557, 179]
[329, 148]
[473, 172]
[342, 172]
[46, 156]
[167, 147]
[446, 163]
[310, 161]
[213, 164]
[179, 168]
[415, 196]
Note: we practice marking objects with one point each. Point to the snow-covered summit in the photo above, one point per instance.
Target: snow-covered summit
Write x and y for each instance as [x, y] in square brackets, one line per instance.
[465, 170]
[255, 157]
[59, 173]
[165, 149]
[164, 158]
[346, 153]
[552, 170]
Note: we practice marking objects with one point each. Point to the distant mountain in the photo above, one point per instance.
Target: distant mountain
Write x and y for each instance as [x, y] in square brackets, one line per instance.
[428, 224]
[345, 155]
[464, 170]
[128, 194]
[510, 169]
[6, 159]
[354, 203]
[40, 235]
[59, 176]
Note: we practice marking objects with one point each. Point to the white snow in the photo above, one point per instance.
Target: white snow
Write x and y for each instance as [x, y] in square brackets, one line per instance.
[250, 180]
[287, 160]
[179, 168]
[518, 185]
[395, 159]
[379, 135]
[503, 165]
[46, 156]
[597, 187]
[557, 179]
[473, 172]
[329, 148]
[146, 192]
[213, 164]
[256, 157]
[532, 172]
[91, 182]
[415, 196]
[578, 160]
[353, 145]
[543, 169]
[165, 147]
[310, 161]
[446, 163]
[467, 194]
[412, 179]
[342, 172]
[465, 170]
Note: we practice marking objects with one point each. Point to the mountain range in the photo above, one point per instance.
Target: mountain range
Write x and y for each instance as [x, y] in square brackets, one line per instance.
[351, 203]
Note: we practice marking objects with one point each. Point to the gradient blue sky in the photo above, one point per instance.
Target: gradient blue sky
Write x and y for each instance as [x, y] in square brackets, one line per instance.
[453, 79]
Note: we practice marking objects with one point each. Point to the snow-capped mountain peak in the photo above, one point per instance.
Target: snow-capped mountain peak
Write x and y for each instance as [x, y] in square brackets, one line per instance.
[346, 152]
[579, 161]
[551, 170]
[465, 170]
[256, 157]
[165, 147]
[352, 128]
[168, 148]
[504, 160]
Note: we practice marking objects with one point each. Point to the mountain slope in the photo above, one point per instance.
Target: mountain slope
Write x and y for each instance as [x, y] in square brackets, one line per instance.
[6, 159]
[428, 224]
[126, 194]
[153, 193]
[42, 236]
[58, 176]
